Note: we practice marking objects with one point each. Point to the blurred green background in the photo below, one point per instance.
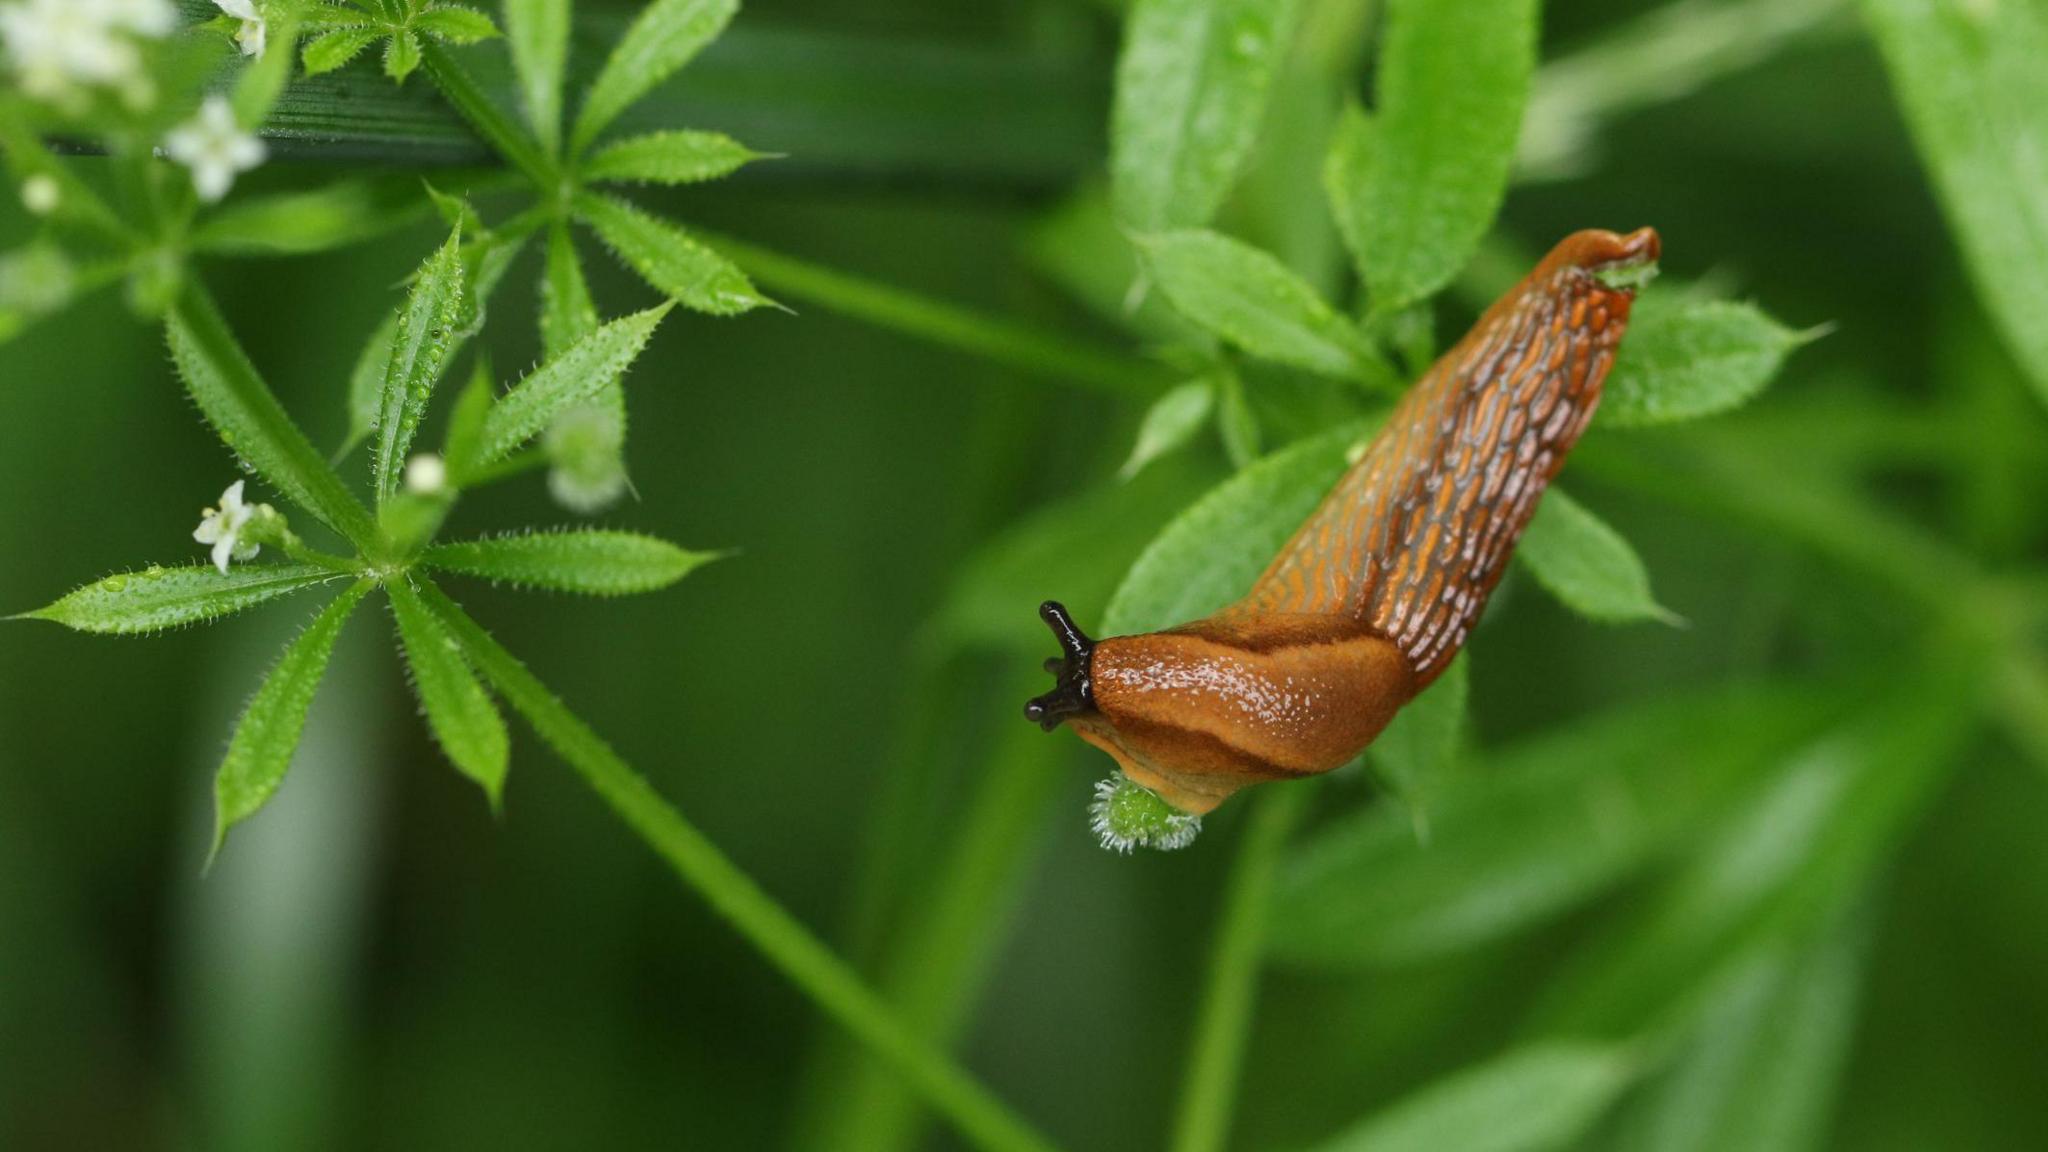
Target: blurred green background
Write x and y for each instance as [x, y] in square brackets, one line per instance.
[378, 963]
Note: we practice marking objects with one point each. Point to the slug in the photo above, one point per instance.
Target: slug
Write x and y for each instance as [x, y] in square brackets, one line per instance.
[1377, 591]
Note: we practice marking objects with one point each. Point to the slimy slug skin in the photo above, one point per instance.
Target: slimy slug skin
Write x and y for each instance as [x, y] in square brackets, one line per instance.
[1376, 593]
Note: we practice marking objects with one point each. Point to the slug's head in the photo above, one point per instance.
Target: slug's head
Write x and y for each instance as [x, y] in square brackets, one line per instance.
[1193, 714]
[1125, 814]
[1072, 693]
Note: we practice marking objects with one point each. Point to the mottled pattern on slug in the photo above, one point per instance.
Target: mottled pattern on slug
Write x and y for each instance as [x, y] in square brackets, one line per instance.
[1415, 537]
[1375, 594]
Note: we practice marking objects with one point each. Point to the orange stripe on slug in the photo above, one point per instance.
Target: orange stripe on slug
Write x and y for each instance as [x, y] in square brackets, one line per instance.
[1375, 594]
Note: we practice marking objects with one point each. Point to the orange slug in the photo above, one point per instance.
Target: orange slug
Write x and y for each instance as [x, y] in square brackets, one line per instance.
[1376, 593]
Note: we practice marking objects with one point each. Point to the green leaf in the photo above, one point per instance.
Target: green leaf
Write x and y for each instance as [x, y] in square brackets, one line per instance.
[1970, 79]
[427, 324]
[663, 38]
[576, 377]
[1211, 553]
[566, 312]
[1795, 852]
[1242, 440]
[670, 259]
[1171, 422]
[1533, 1099]
[593, 563]
[268, 733]
[1684, 357]
[1587, 565]
[466, 422]
[1550, 823]
[336, 47]
[538, 33]
[464, 720]
[1255, 302]
[669, 158]
[1761, 1072]
[296, 223]
[453, 24]
[250, 421]
[366, 383]
[401, 55]
[1417, 751]
[156, 599]
[1191, 88]
[1416, 186]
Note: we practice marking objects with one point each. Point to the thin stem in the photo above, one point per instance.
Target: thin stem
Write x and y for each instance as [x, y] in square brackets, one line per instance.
[490, 122]
[941, 960]
[1032, 349]
[787, 944]
[1209, 1090]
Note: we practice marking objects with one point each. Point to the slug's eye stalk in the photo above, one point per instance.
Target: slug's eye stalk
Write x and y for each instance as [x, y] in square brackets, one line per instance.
[1071, 692]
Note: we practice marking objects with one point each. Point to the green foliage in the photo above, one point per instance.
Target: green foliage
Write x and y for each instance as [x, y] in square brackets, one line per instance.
[1531, 836]
[1690, 886]
[538, 34]
[268, 733]
[669, 158]
[1170, 423]
[1253, 301]
[1685, 358]
[1416, 184]
[420, 342]
[464, 720]
[1587, 565]
[1191, 86]
[571, 380]
[669, 259]
[664, 37]
[1970, 81]
[588, 562]
[316, 220]
[156, 599]
[1534, 1099]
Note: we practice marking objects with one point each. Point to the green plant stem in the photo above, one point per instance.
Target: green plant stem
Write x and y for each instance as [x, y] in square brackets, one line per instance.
[1025, 347]
[940, 961]
[1209, 1089]
[491, 123]
[786, 943]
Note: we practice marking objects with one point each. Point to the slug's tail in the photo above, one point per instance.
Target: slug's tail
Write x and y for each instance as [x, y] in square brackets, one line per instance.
[1413, 540]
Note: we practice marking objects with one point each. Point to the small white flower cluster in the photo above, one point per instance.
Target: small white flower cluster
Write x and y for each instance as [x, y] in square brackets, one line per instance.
[227, 528]
[214, 146]
[58, 48]
[254, 33]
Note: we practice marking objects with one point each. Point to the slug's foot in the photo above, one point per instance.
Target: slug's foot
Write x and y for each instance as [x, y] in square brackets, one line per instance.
[1128, 815]
[1072, 693]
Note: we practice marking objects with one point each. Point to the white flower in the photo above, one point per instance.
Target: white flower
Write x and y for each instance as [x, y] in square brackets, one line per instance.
[54, 45]
[223, 527]
[254, 32]
[40, 194]
[152, 18]
[426, 474]
[585, 446]
[214, 147]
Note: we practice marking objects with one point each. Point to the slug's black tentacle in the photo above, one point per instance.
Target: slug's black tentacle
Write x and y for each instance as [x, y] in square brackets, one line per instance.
[1072, 692]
